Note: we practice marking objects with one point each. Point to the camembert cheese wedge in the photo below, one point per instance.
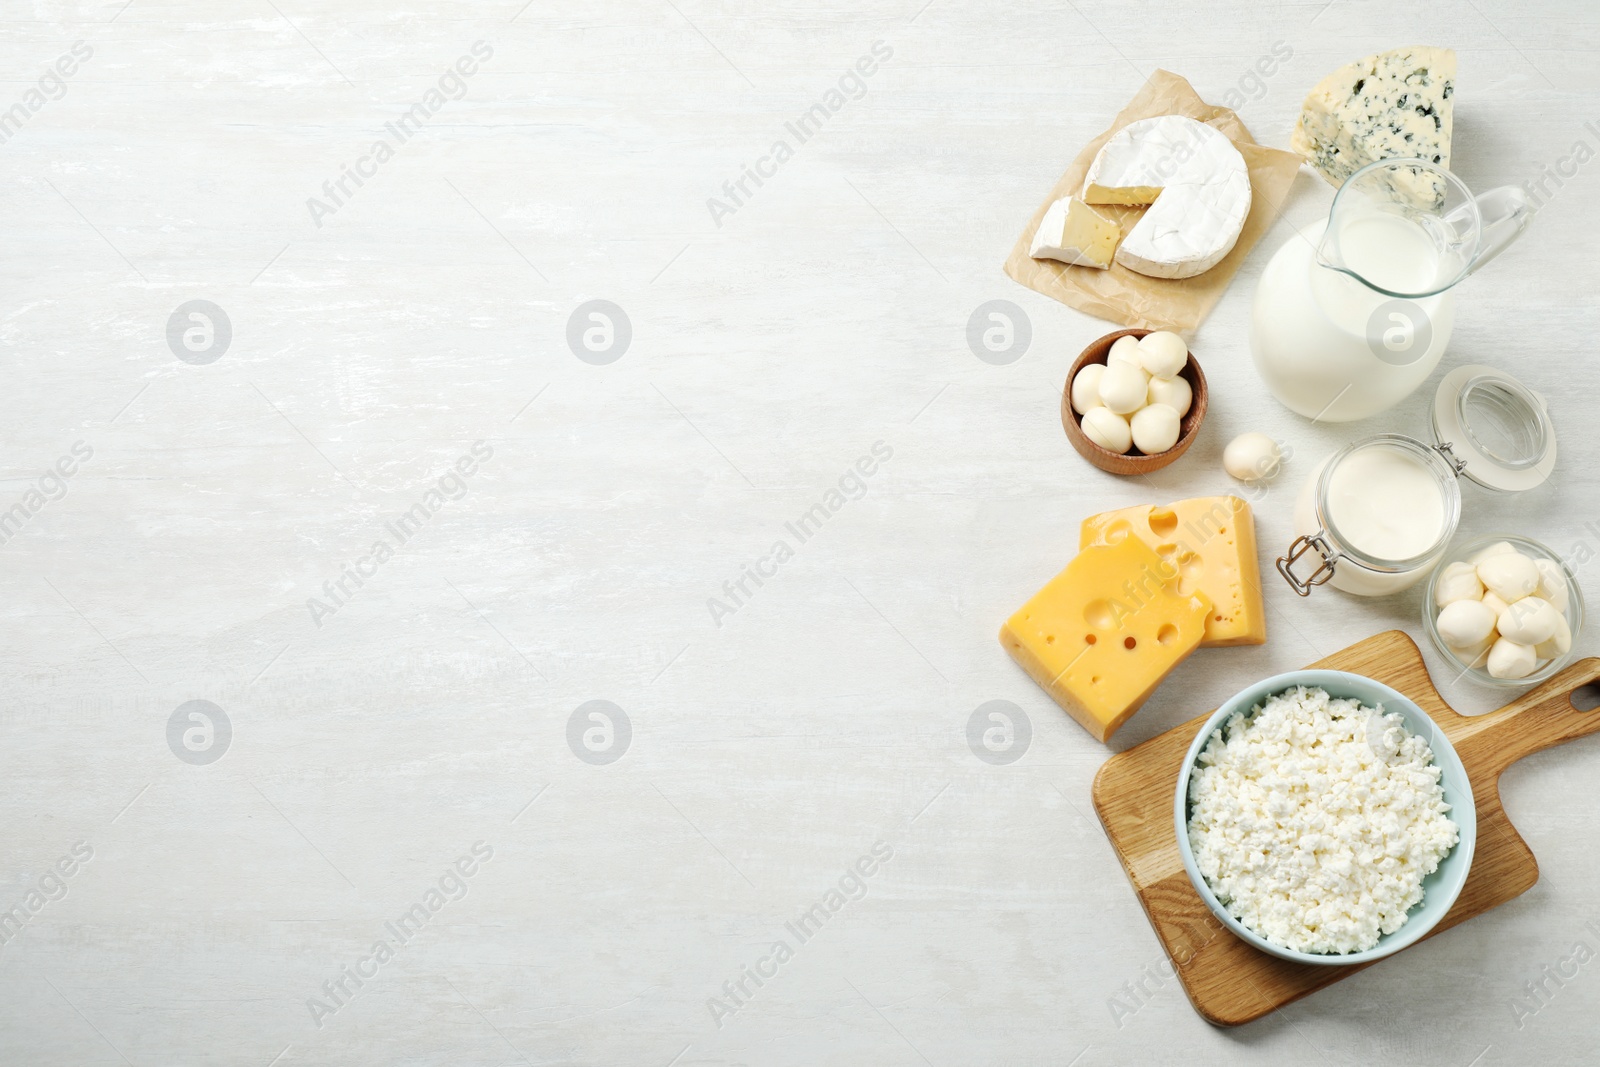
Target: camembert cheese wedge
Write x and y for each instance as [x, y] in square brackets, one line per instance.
[1102, 634]
[1211, 541]
[1075, 233]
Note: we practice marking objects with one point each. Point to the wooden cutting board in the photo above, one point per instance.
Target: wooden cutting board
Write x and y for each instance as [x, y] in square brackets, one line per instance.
[1227, 980]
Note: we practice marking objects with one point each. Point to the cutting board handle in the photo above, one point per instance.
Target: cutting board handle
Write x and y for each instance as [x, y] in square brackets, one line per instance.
[1542, 717]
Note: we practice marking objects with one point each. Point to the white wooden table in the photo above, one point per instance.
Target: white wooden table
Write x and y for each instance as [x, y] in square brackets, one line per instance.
[352, 751]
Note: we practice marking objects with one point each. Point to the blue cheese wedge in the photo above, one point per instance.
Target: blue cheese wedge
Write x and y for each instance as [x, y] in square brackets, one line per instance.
[1197, 186]
[1393, 105]
[1073, 232]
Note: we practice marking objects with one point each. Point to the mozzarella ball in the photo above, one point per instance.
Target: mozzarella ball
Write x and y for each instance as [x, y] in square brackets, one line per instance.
[1509, 576]
[1557, 644]
[1494, 604]
[1125, 350]
[1107, 429]
[1552, 583]
[1086, 387]
[1176, 393]
[1508, 659]
[1459, 581]
[1499, 548]
[1155, 428]
[1528, 621]
[1251, 457]
[1123, 387]
[1465, 623]
[1163, 354]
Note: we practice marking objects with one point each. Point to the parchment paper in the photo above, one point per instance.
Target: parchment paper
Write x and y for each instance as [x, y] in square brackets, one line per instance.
[1128, 297]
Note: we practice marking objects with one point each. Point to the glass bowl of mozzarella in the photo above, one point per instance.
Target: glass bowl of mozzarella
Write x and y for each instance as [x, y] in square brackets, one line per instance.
[1506, 611]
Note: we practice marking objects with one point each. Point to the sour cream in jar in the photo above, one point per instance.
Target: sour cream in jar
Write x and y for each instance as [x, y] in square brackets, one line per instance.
[1386, 503]
[1386, 506]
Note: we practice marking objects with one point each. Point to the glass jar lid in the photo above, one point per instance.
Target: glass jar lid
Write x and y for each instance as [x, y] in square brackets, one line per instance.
[1494, 430]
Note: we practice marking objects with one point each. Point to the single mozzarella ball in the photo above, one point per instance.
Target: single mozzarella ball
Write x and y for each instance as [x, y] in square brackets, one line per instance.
[1458, 582]
[1125, 350]
[1465, 623]
[1176, 393]
[1553, 583]
[1123, 387]
[1086, 387]
[1163, 354]
[1557, 644]
[1509, 576]
[1107, 429]
[1155, 428]
[1251, 457]
[1528, 621]
[1499, 548]
[1508, 659]
[1494, 604]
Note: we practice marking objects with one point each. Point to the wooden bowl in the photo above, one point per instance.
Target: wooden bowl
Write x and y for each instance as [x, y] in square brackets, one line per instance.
[1133, 461]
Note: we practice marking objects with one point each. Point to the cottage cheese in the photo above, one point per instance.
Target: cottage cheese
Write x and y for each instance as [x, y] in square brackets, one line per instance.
[1314, 820]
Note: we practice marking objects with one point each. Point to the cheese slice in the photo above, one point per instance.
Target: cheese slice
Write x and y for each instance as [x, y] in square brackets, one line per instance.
[1211, 541]
[1396, 104]
[1073, 232]
[1102, 634]
[1197, 186]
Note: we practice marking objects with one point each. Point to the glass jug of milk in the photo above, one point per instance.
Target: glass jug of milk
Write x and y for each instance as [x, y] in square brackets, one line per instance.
[1353, 313]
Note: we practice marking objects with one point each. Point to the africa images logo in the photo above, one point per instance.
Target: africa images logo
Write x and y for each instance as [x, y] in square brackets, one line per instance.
[736, 192]
[452, 885]
[852, 485]
[452, 485]
[453, 82]
[52, 885]
[852, 885]
[50, 486]
[52, 85]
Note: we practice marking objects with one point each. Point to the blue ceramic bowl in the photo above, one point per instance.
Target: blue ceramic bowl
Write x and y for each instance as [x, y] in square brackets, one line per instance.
[1440, 888]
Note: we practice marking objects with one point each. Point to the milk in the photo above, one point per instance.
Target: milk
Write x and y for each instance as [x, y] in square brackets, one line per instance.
[1390, 253]
[1385, 504]
[1331, 348]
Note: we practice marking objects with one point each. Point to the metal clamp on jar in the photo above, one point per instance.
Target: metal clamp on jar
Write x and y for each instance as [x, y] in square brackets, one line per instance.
[1376, 516]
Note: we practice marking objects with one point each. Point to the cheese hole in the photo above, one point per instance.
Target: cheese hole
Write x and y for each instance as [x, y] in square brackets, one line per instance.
[1095, 680]
[1167, 551]
[1099, 614]
[1117, 532]
[1049, 639]
[1163, 521]
[1167, 634]
[1129, 642]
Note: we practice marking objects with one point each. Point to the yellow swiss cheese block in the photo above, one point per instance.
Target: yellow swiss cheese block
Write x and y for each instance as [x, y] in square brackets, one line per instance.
[1104, 632]
[1212, 542]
